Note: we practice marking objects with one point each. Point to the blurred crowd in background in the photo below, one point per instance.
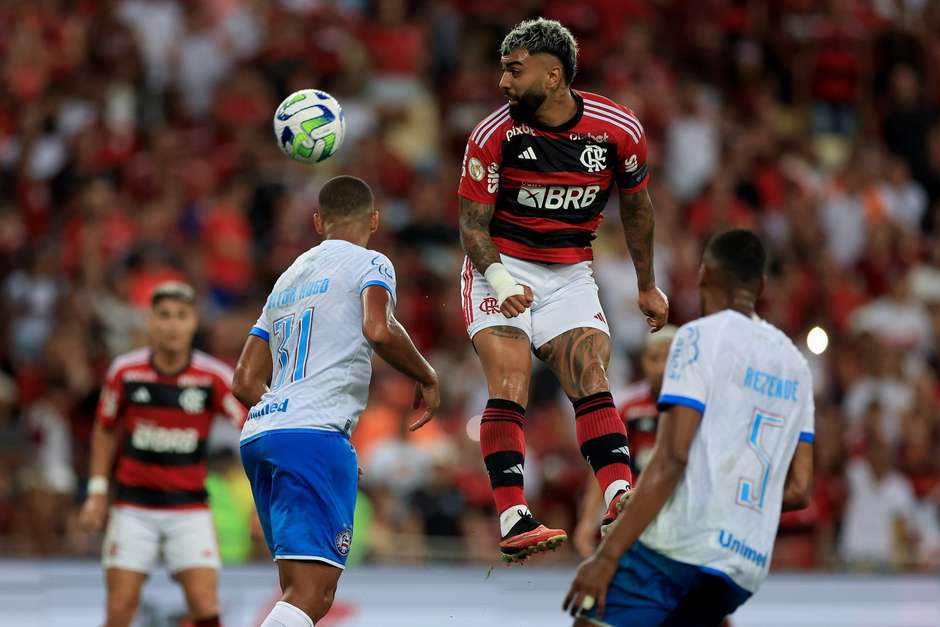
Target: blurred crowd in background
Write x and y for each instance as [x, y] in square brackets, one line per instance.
[136, 146]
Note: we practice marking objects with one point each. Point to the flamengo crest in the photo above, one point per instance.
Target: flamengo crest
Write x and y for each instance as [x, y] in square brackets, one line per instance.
[594, 158]
[193, 400]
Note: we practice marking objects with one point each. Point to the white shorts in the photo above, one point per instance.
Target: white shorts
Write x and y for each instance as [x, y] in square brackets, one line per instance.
[136, 538]
[565, 298]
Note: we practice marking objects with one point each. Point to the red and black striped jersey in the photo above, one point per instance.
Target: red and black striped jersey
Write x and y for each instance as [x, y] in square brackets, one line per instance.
[641, 417]
[549, 185]
[164, 422]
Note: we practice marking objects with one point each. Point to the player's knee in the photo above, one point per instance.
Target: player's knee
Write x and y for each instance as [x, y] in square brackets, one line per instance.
[589, 378]
[202, 597]
[203, 607]
[511, 384]
[314, 599]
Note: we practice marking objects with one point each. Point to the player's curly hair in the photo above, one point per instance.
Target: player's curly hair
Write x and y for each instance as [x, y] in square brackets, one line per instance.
[549, 36]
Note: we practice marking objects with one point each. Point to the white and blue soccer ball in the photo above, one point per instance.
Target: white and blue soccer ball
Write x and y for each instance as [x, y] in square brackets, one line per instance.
[309, 126]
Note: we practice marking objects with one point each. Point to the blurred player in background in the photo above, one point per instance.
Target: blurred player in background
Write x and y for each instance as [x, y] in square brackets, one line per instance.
[536, 177]
[154, 416]
[734, 446]
[640, 416]
[305, 373]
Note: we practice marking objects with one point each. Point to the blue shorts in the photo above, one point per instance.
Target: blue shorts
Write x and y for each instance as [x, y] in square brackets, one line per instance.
[652, 590]
[304, 483]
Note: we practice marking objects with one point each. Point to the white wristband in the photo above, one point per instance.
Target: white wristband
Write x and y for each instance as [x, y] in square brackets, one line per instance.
[97, 486]
[502, 282]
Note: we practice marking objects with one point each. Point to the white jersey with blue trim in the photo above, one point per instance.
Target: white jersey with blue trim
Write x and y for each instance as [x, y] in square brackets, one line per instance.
[313, 323]
[755, 393]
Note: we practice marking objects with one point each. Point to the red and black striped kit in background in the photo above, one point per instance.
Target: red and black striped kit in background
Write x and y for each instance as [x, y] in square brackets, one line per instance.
[164, 421]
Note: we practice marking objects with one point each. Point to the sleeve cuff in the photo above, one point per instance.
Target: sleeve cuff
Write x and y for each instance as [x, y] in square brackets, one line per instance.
[480, 198]
[259, 332]
[807, 436]
[634, 188]
[391, 292]
[668, 400]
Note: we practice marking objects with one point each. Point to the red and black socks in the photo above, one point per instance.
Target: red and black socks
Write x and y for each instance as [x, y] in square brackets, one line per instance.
[602, 437]
[502, 441]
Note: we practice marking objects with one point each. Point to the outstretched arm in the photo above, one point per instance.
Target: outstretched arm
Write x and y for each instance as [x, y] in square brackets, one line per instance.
[636, 213]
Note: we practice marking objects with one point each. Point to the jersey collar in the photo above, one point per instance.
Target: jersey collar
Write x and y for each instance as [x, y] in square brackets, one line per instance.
[153, 365]
[565, 126]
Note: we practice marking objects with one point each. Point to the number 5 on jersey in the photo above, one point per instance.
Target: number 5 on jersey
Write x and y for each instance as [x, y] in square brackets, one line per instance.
[751, 491]
[283, 331]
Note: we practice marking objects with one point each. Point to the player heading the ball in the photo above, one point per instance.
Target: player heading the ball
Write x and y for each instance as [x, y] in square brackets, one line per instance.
[537, 174]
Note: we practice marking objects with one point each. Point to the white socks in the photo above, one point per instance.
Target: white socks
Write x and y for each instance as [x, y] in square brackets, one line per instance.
[286, 615]
[613, 489]
[509, 517]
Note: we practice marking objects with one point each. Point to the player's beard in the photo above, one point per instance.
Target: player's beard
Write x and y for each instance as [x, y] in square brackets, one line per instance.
[527, 104]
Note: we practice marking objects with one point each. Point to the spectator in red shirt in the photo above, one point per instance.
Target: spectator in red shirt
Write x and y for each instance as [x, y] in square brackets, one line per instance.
[226, 235]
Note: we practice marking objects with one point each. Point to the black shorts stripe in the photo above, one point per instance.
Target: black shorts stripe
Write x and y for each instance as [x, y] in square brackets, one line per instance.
[164, 458]
[534, 239]
[159, 498]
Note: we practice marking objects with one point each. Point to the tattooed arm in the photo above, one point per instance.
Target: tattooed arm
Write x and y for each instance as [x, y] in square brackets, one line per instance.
[475, 234]
[476, 241]
[636, 213]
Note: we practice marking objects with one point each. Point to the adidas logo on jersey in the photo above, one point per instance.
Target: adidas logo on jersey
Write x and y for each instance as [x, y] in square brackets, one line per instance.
[514, 470]
[142, 396]
[528, 153]
[623, 450]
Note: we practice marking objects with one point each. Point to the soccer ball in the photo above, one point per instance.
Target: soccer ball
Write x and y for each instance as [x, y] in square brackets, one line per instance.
[309, 126]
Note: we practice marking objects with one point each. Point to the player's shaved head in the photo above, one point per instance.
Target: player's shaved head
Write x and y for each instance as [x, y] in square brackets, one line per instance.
[732, 273]
[740, 256]
[345, 197]
[544, 36]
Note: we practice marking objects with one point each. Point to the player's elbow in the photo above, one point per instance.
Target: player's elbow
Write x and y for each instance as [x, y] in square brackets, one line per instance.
[797, 495]
[377, 332]
[675, 467]
[242, 385]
